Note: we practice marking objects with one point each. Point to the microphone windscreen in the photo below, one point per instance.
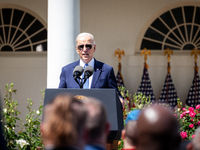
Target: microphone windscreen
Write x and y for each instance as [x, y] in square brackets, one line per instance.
[78, 70]
[89, 70]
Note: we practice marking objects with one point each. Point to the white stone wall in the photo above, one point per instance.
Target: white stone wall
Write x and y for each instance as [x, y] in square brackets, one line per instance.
[114, 24]
[28, 72]
[121, 24]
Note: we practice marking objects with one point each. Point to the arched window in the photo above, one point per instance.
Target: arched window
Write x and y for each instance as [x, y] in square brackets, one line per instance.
[177, 29]
[21, 31]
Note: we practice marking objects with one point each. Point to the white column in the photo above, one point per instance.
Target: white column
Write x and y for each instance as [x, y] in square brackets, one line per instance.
[63, 27]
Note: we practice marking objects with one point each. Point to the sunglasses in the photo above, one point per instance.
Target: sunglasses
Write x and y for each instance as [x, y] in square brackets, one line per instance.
[88, 47]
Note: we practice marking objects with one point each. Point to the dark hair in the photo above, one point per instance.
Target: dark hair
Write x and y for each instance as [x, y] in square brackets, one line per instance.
[97, 117]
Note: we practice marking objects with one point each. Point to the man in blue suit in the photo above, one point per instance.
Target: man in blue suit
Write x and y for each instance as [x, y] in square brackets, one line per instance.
[103, 76]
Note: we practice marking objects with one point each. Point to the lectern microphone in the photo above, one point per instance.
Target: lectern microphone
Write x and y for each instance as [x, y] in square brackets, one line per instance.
[77, 72]
[88, 72]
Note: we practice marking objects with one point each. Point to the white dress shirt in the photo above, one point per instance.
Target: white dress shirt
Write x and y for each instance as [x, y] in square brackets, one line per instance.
[91, 63]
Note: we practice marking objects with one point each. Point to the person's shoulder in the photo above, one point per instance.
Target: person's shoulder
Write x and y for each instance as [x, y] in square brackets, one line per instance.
[73, 64]
[94, 147]
[104, 65]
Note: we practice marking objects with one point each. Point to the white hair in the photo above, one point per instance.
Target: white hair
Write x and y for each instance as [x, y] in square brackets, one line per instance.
[85, 34]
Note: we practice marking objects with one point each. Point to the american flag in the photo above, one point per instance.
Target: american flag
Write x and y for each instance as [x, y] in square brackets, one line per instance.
[168, 94]
[193, 97]
[119, 78]
[145, 87]
[120, 83]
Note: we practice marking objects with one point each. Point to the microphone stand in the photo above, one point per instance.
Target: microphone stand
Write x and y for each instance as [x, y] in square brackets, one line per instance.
[82, 81]
[76, 79]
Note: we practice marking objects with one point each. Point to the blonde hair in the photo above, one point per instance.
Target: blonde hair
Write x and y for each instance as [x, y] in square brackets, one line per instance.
[65, 120]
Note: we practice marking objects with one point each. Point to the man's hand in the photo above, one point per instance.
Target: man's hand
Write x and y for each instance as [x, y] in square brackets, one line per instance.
[122, 101]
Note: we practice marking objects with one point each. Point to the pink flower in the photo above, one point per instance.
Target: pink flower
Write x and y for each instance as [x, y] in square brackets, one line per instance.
[193, 136]
[192, 114]
[183, 109]
[198, 106]
[191, 119]
[183, 134]
[187, 112]
[182, 115]
[191, 109]
[198, 123]
[191, 125]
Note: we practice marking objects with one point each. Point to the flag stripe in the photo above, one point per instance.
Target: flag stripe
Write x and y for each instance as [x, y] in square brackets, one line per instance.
[119, 78]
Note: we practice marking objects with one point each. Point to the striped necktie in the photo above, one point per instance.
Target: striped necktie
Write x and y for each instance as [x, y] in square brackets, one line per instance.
[86, 85]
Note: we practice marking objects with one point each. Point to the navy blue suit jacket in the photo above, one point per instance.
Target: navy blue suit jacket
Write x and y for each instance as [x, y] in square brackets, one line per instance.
[103, 76]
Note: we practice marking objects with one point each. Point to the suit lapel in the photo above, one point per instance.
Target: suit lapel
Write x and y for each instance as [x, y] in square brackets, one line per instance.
[97, 72]
[77, 63]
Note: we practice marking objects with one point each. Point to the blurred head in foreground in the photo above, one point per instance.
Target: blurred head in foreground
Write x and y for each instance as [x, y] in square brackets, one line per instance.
[157, 129]
[129, 131]
[97, 123]
[195, 143]
[64, 122]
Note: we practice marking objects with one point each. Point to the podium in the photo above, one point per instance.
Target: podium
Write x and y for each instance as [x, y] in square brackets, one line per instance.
[111, 102]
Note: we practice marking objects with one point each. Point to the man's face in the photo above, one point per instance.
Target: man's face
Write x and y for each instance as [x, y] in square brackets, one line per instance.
[85, 48]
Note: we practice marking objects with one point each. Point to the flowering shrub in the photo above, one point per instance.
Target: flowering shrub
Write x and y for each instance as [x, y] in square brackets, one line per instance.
[189, 119]
[137, 101]
[22, 143]
[9, 117]
[29, 136]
